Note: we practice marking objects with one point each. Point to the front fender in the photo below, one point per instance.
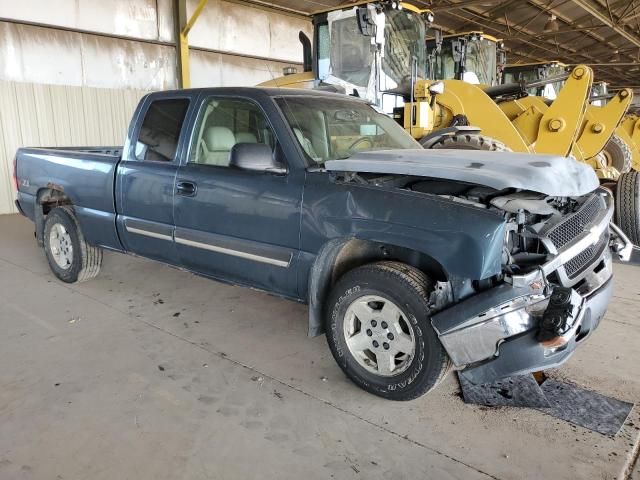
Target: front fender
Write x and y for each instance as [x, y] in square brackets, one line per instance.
[464, 241]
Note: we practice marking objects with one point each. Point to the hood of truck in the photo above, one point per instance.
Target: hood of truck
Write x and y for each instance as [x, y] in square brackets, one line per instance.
[547, 174]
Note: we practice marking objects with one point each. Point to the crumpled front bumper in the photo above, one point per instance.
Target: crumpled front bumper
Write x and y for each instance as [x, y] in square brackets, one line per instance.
[492, 335]
[524, 353]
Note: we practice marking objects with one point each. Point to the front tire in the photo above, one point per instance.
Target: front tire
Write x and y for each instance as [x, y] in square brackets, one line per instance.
[379, 331]
[70, 257]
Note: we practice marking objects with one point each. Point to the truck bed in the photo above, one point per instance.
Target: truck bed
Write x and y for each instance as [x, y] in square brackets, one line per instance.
[86, 175]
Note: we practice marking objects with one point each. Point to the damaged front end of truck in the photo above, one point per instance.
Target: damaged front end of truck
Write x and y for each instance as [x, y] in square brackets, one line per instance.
[555, 281]
[556, 289]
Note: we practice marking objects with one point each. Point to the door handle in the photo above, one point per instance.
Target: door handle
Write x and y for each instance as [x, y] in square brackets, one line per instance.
[188, 189]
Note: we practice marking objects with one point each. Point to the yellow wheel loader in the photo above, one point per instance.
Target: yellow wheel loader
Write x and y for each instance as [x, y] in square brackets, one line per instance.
[556, 102]
[620, 158]
[605, 117]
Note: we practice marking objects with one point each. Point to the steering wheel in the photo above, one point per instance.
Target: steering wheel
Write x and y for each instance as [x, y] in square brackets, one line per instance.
[361, 141]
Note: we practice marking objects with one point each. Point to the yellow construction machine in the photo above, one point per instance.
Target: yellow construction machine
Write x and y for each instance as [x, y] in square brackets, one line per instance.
[620, 158]
[519, 122]
[535, 95]
[621, 152]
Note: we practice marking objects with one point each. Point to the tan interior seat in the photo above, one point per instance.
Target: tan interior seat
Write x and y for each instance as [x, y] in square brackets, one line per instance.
[216, 144]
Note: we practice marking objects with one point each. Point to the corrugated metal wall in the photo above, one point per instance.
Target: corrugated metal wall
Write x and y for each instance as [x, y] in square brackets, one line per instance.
[56, 115]
[131, 43]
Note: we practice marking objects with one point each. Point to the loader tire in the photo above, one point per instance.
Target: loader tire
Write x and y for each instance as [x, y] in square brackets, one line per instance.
[618, 154]
[628, 205]
[470, 142]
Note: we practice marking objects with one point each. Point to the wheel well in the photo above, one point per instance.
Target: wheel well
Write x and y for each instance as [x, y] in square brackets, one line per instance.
[355, 253]
[49, 198]
[46, 200]
[339, 257]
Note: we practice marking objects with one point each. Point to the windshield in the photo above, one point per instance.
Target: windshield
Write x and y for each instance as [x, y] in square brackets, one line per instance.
[480, 66]
[441, 65]
[516, 76]
[404, 34]
[370, 65]
[335, 129]
[534, 73]
[481, 62]
[350, 52]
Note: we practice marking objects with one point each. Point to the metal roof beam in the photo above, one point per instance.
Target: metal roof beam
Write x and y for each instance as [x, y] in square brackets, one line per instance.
[530, 39]
[597, 12]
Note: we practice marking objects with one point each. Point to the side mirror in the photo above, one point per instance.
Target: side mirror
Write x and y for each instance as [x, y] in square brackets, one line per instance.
[438, 38]
[256, 157]
[366, 24]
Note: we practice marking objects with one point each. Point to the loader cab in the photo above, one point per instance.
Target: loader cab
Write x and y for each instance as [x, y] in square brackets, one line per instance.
[375, 51]
[474, 57]
[530, 72]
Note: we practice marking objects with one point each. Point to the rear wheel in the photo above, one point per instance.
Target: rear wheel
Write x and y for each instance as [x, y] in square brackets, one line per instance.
[470, 142]
[70, 257]
[618, 154]
[627, 205]
[379, 331]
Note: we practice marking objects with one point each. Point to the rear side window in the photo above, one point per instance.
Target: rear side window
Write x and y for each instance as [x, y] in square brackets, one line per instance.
[160, 130]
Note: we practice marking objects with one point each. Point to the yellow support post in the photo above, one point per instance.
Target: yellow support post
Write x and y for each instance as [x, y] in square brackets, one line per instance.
[184, 27]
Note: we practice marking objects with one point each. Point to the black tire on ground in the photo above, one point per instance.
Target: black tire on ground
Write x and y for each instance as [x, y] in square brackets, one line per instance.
[408, 288]
[628, 205]
[470, 141]
[84, 259]
[618, 154]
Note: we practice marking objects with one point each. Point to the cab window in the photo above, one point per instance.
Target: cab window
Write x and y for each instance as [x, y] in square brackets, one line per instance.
[160, 130]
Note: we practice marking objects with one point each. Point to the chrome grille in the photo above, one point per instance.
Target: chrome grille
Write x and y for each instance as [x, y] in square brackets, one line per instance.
[580, 262]
[562, 233]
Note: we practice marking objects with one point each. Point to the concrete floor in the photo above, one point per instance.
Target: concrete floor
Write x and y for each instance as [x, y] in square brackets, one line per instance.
[148, 372]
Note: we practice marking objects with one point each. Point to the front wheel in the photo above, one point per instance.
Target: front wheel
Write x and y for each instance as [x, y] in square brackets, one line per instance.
[379, 331]
[70, 257]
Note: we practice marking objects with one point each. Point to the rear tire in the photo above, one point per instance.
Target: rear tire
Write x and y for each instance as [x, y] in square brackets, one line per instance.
[470, 142]
[618, 154]
[628, 205]
[70, 257]
[414, 357]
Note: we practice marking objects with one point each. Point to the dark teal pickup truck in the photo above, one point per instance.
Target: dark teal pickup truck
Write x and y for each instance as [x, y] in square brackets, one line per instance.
[412, 261]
